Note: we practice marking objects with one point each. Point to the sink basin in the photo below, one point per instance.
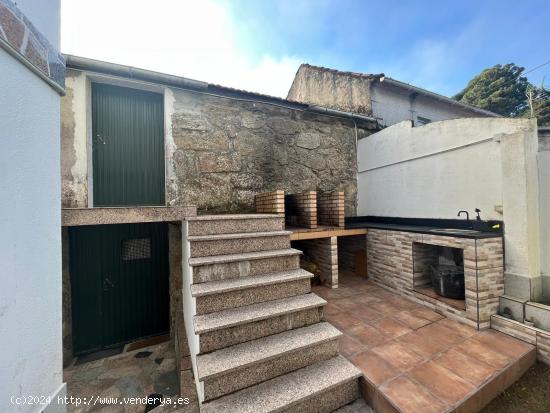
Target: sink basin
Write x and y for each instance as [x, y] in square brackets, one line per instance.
[455, 230]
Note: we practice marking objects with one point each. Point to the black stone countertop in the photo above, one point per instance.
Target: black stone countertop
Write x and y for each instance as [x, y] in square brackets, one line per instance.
[453, 227]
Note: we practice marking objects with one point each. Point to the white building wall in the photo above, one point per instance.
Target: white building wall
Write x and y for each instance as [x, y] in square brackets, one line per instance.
[30, 236]
[433, 171]
[394, 105]
[544, 206]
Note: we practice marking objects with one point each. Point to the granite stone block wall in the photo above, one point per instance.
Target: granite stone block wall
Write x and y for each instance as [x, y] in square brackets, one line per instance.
[222, 152]
[391, 262]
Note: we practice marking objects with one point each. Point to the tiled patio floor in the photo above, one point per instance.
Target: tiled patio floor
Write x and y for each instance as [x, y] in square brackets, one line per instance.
[415, 360]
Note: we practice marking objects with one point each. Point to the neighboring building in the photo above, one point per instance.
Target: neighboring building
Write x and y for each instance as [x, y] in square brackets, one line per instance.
[31, 81]
[386, 99]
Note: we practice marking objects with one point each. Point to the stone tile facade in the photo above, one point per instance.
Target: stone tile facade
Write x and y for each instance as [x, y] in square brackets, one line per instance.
[18, 33]
[330, 209]
[324, 252]
[390, 262]
[532, 335]
[270, 202]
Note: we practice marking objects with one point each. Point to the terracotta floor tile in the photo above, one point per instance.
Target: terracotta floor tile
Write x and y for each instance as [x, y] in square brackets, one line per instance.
[508, 345]
[385, 307]
[470, 369]
[404, 303]
[342, 320]
[411, 397]
[460, 328]
[441, 382]
[367, 335]
[367, 314]
[398, 355]
[375, 369]
[349, 346]
[442, 333]
[424, 344]
[390, 327]
[366, 298]
[427, 314]
[331, 309]
[484, 352]
[411, 320]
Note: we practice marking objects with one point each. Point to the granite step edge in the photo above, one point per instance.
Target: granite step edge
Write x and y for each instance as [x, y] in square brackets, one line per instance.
[220, 237]
[221, 217]
[240, 356]
[242, 283]
[231, 317]
[287, 390]
[245, 256]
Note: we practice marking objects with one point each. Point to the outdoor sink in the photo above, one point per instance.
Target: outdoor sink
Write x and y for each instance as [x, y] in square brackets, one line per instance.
[455, 230]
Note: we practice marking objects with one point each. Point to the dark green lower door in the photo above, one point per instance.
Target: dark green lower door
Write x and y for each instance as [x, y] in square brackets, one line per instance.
[128, 146]
[119, 284]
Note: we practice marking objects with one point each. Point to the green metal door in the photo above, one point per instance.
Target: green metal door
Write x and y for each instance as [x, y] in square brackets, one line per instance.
[119, 284]
[128, 146]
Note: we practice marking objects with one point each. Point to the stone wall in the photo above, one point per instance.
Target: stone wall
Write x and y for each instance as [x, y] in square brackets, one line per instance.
[345, 91]
[390, 260]
[220, 152]
[225, 151]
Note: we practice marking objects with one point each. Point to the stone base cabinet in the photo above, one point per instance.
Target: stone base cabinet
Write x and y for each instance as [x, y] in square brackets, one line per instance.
[390, 260]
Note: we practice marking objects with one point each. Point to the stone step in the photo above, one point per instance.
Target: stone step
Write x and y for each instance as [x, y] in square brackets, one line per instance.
[223, 244]
[234, 368]
[358, 406]
[229, 266]
[321, 387]
[231, 224]
[238, 325]
[238, 292]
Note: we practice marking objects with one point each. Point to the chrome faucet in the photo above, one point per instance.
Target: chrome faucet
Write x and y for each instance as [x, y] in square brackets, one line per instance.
[467, 214]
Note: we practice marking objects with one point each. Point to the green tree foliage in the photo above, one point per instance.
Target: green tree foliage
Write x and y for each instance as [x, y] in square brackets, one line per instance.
[500, 89]
[540, 100]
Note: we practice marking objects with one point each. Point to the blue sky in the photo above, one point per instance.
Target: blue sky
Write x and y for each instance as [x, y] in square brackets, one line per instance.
[259, 44]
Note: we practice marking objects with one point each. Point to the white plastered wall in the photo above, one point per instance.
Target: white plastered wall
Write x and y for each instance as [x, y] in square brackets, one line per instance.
[433, 171]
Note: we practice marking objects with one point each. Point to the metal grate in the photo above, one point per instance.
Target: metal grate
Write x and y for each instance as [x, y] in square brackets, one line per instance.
[136, 249]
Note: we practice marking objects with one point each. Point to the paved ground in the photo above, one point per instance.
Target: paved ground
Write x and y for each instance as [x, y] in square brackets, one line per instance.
[417, 359]
[139, 373]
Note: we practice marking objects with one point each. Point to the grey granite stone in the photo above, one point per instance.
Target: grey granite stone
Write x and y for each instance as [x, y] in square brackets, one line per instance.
[251, 331]
[243, 315]
[248, 296]
[244, 265]
[232, 358]
[220, 224]
[358, 406]
[321, 387]
[223, 286]
[212, 245]
[241, 235]
[71, 217]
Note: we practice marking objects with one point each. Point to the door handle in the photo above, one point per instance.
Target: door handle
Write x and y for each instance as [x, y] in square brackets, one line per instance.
[107, 284]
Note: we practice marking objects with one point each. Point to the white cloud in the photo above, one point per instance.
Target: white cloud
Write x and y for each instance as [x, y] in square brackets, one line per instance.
[194, 39]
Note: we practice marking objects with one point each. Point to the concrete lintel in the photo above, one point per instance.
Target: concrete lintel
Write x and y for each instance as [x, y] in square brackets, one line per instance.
[72, 217]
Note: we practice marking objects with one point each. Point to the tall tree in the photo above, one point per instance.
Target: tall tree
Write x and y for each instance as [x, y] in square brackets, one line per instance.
[500, 89]
[538, 99]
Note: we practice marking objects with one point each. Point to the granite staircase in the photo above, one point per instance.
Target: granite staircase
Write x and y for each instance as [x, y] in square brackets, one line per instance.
[256, 333]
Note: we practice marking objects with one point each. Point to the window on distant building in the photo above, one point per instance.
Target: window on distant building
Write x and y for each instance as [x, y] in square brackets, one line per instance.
[422, 121]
